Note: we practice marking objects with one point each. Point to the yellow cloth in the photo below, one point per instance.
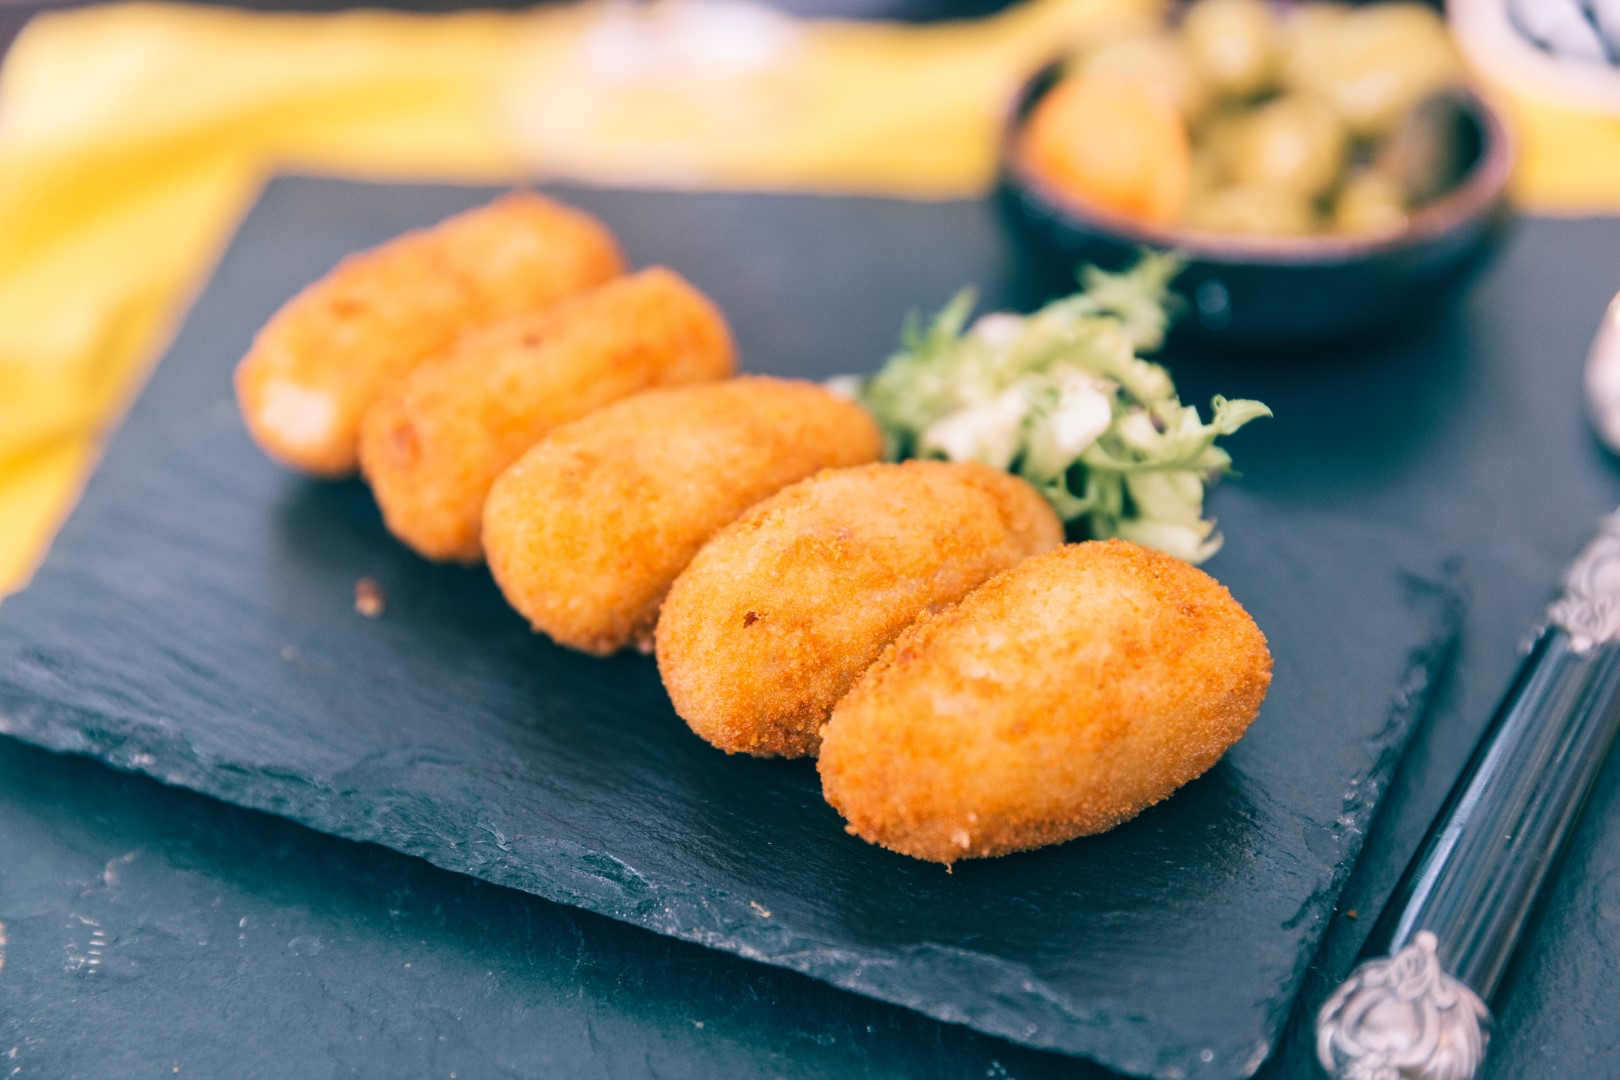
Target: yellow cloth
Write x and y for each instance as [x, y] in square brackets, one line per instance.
[132, 137]
[1569, 162]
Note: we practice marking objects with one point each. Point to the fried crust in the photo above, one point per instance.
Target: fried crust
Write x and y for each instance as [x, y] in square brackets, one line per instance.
[433, 443]
[322, 359]
[586, 532]
[1060, 699]
[783, 609]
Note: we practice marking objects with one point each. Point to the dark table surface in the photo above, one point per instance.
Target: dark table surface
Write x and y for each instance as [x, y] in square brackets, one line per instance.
[150, 931]
[195, 623]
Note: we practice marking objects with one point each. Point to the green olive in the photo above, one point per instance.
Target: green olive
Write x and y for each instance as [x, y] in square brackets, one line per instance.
[1310, 32]
[1293, 141]
[1157, 62]
[1375, 63]
[1234, 43]
[1369, 202]
[1218, 141]
[1260, 211]
[1206, 171]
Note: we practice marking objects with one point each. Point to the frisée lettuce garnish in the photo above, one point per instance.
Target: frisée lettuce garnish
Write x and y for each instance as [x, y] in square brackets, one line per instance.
[1063, 398]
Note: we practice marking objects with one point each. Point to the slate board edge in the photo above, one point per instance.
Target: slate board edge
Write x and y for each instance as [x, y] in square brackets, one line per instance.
[601, 883]
[1431, 665]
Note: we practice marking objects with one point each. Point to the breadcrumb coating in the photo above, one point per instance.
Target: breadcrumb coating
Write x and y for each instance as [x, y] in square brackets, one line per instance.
[322, 359]
[784, 609]
[587, 531]
[434, 442]
[1060, 699]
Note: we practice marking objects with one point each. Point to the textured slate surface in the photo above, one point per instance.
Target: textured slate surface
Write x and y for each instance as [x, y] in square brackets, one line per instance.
[271, 951]
[520, 987]
[194, 622]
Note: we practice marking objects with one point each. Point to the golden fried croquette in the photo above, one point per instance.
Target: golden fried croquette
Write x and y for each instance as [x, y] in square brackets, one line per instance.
[586, 532]
[1060, 699]
[435, 441]
[321, 360]
[781, 612]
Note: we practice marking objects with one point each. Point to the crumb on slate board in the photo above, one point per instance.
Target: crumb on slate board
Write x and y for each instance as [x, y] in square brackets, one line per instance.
[368, 598]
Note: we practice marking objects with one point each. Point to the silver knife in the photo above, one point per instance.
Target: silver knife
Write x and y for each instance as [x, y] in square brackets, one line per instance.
[1414, 1008]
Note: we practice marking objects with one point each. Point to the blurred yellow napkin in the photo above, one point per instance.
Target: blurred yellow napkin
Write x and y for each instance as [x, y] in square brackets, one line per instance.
[132, 138]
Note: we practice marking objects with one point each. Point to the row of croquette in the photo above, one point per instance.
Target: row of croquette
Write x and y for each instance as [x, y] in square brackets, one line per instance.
[509, 393]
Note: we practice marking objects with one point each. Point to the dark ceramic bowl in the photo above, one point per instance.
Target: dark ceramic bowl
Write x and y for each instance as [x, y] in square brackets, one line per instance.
[1295, 290]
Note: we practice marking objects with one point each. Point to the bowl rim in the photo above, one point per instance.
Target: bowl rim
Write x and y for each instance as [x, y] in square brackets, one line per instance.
[1474, 198]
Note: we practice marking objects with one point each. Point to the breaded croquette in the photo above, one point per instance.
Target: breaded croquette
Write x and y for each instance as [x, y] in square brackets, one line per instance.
[1060, 699]
[435, 441]
[586, 532]
[322, 359]
[784, 609]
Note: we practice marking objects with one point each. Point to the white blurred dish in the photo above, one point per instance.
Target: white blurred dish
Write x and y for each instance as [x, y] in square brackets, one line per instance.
[1501, 53]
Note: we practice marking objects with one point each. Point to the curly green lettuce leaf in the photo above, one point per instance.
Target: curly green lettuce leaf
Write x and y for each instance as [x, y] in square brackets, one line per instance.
[1063, 398]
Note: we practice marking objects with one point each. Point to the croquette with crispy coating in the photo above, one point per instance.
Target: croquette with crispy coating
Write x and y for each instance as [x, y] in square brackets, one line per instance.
[1060, 699]
[587, 531]
[322, 359]
[784, 609]
[435, 441]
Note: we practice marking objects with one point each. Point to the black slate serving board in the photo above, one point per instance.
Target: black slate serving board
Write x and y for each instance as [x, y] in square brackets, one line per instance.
[195, 622]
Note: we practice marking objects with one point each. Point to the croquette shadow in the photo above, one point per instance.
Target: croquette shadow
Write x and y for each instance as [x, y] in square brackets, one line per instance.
[1080, 887]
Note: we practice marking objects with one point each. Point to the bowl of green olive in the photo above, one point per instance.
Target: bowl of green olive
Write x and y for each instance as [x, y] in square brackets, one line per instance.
[1324, 170]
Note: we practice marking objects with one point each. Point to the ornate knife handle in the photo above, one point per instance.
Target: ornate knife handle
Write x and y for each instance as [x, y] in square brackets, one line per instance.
[1416, 1009]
